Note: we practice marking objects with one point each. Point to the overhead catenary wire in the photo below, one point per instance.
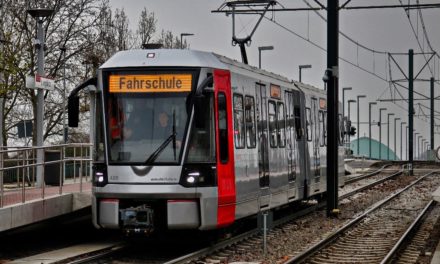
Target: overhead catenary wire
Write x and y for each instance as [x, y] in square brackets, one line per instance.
[356, 65]
[416, 35]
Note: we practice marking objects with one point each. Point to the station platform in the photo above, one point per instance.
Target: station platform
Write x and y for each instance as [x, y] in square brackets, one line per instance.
[24, 206]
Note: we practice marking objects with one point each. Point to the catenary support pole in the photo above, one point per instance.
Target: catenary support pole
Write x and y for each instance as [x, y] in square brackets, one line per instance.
[395, 139]
[380, 131]
[410, 110]
[333, 102]
[432, 120]
[401, 139]
[369, 127]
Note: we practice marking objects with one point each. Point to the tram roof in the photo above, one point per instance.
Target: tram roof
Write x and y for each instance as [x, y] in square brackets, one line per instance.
[163, 58]
[187, 58]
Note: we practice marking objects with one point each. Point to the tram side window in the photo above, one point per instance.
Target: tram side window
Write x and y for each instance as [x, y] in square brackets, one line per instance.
[281, 116]
[250, 121]
[222, 127]
[321, 128]
[239, 126]
[273, 123]
[299, 131]
[325, 128]
[309, 124]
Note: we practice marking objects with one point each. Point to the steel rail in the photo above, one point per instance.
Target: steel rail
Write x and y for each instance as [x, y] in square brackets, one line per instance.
[362, 188]
[326, 241]
[87, 257]
[209, 250]
[408, 234]
[367, 175]
[204, 251]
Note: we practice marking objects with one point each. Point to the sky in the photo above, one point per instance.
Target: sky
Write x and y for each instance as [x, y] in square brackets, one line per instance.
[387, 30]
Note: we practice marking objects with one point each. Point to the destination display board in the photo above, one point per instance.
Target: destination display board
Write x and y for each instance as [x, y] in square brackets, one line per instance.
[152, 83]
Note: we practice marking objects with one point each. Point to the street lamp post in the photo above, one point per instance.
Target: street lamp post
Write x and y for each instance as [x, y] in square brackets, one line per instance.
[181, 38]
[406, 142]
[388, 136]
[348, 134]
[426, 149]
[308, 66]
[401, 137]
[343, 109]
[369, 127]
[63, 50]
[415, 142]
[358, 122]
[395, 148]
[380, 131]
[259, 53]
[39, 14]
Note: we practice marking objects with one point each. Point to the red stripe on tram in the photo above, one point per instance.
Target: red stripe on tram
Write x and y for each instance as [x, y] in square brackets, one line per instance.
[225, 170]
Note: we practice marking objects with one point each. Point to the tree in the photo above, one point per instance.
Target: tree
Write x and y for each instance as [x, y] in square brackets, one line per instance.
[146, 26]
[72, 21]
[169, 41]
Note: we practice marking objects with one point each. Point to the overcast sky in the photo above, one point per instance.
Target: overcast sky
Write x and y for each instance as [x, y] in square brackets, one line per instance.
[386, 30]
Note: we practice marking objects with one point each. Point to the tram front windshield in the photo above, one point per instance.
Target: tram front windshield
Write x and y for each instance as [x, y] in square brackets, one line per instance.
[146, 127]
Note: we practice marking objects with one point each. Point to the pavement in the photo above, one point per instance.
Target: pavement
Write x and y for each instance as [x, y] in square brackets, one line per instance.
[65, 253]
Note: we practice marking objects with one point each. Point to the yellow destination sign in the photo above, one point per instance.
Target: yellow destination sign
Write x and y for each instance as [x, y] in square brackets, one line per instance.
[158, 83]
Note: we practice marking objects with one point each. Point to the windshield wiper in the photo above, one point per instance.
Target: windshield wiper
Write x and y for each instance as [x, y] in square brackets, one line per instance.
[174, 133]
[156, 153]
[167, 141]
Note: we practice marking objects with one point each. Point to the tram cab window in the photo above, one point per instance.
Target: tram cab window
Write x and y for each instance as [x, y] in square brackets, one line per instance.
[239, 126]
[201, 147]
[308, 124]
[281, 119]
[250, 122]
[272, 123]
[144, 123]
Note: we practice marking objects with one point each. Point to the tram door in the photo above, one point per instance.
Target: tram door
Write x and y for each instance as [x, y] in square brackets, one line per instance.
[316, 159]
[291, 140]
[263, 144]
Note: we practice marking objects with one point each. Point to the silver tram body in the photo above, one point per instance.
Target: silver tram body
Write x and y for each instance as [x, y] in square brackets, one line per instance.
[249, 140]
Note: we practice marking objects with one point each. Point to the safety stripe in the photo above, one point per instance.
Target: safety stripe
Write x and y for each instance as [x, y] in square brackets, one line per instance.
[225, 171]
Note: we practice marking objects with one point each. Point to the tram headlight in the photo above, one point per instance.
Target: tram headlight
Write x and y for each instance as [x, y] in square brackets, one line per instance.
[192, 177]
[99, 175]
[198, 175]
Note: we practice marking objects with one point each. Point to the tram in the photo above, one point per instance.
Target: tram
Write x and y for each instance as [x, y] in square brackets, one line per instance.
[194, 140]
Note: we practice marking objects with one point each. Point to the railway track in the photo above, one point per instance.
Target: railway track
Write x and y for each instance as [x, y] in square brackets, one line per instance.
[378, 234]
[253, 239]
[368, 174]
[221, 251]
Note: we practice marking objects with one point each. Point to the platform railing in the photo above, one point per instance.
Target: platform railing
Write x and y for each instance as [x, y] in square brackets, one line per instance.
[65, 169]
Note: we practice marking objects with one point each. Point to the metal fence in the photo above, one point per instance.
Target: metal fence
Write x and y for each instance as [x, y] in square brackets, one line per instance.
[65, 169]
